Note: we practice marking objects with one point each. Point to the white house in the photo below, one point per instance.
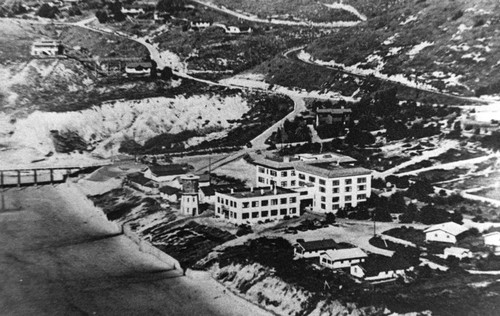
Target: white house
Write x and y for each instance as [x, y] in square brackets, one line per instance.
[311, 249]
[380, 269]
[165, 173]
[47, 48]
[342, 258]
[132, 11]
[251, 205]
[138, 69]
[199, 24]
[457, 252]
[445, 232]
[492, 241]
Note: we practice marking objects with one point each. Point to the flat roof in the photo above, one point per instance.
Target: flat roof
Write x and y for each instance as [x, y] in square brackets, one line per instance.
[333, 111]
[279, 163]
[331, 170]
[169, 170]
[255, 192]
[315, 245]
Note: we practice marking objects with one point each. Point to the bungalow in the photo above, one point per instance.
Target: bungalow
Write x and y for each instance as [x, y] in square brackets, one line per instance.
[47, 48]
[141, 183]
[199, 25]
[132, 11]
[381, 269]
[457, 252]
[339, 117]
[138, 68]
[342, 258]
[311, 249]
[445, 232]
[166, 173]
[492, 241]
[170, 194]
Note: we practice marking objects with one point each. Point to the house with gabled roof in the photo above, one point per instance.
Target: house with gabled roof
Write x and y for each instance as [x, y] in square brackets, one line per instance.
[445, 232]
[492, 241]
[165, 173]
[378, 268]
[342, 258]
[313, 248]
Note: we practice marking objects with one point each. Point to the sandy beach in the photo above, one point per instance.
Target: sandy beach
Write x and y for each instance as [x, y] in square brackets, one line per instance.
[59, 256]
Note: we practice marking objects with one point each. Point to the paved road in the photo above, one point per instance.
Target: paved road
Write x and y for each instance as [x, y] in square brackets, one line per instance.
[56, 258]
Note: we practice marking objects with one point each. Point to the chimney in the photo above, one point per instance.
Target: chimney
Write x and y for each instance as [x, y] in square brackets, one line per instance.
[275, 190]
[338, 162]
[286, 159]
[261, 191]
[232, 191]
[251, 189]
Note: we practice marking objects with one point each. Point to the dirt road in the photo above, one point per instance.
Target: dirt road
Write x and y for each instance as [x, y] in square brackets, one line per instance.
[58, 257]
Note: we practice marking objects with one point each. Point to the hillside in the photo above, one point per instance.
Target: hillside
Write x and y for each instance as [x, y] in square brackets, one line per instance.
[449, 45]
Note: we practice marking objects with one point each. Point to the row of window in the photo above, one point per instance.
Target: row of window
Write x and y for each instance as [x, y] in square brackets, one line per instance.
[248, 204]
[334, 182]
[331, 262]
[264, 214]
[283, 184]
[275, 173]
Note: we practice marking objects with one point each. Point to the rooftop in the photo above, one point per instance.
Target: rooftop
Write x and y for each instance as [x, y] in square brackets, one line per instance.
[169, 190]
[449, 227]
[333, 111]
[316, 245]
[376, 264]
[140, 179]
[143, 64]
[254, 192]
[169, 170]
[331, 170]
[344, 254]
[211, 189]
[285, 163]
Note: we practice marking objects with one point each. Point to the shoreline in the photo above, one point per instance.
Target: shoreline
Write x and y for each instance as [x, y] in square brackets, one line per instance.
[202, 279]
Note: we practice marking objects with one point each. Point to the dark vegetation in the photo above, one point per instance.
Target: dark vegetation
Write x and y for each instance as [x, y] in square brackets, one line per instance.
[188, 243]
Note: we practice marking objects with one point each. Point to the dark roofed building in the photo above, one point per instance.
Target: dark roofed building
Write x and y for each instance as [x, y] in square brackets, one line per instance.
[166, 173]
[140, 182]
[310, 249]
[340, 117]
[381, 268]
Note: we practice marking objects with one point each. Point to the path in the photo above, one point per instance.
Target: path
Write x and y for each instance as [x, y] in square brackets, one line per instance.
[344, 70]
[253, 18]
[59, 257]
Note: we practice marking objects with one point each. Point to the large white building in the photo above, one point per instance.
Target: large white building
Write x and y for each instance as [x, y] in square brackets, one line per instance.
[342, 258]
[330, 181]
[46, 48]
[252, 205]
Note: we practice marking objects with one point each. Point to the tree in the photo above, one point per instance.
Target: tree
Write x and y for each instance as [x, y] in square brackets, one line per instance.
[170, 5]
[382, 215]
[101, 16]
[430, 215]
[359, 137]
[330, 218]
[47, 11]
[342, 213]
[420, 190]
[410, 215]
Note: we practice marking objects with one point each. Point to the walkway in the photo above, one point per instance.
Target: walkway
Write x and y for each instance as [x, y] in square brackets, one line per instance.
[59, 256]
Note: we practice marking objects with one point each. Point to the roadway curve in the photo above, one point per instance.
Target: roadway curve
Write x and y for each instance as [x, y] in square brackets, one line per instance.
[256, 19]
[292, 55]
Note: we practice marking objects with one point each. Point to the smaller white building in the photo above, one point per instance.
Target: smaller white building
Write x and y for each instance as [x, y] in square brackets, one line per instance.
[492, 241]
[342, 258]
[311, 249]
[253, 205]
[47, 48]
[138, 69]
[132, 11]
[378, 269]
[445, 232]
[199, 24]
[457, 252]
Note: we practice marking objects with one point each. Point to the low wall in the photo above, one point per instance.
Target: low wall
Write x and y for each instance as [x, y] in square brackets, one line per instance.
[147, 247]
[198, 274]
